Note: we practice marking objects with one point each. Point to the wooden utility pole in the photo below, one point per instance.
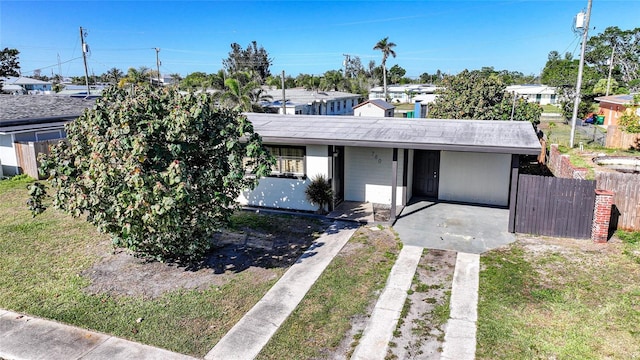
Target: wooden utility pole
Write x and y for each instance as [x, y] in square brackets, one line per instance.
[610, 69]
[158, 64]
[576, 103]
[85, 50]
[284, 99]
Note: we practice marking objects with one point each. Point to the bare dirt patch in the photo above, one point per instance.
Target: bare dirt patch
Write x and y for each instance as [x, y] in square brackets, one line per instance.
[420, 331]
[274, 244]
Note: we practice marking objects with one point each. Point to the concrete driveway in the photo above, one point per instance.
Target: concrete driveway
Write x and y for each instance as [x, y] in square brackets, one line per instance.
[446, 226]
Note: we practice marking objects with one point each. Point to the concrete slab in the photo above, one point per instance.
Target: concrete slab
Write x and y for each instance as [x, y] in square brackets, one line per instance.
[464, 289]
[379, 331]
[458, 227]
[361, 212]
[25, 337]
[247, 338]
[460, 332]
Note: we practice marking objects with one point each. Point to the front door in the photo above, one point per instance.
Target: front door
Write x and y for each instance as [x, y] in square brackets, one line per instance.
[426, 167]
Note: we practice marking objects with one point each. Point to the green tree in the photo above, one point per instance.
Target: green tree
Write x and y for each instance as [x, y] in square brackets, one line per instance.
[139, 77]
[471, 95]
[630, 120]
[332, 80]
[195, 81]
[158, 171]
[242, 93]
[114, 75]
[9, 64]
[626, 58]
[396, 73]
[253, 59]
[386, 47]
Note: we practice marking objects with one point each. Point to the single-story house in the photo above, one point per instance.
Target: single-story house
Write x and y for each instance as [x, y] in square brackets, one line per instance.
[539, 94]
[300, 101]
[29, 120]
[391, 161]
[375, 107]
[406, 94]
[25, 85]
[613, 106]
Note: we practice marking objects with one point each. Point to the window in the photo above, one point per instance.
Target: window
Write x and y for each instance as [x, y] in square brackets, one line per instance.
[289, 160]
[338, 105]
[332, 107]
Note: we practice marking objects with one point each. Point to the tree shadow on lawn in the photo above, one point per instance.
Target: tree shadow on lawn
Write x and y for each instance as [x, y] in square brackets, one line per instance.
[257, 252]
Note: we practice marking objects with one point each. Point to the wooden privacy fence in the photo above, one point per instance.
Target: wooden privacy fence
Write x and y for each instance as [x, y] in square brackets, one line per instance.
[27, 153]
[626, 188]
[555, 206]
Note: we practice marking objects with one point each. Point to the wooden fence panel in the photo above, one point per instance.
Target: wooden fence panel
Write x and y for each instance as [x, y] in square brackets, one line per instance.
[626, 199]
[28, 152]
[555, 206]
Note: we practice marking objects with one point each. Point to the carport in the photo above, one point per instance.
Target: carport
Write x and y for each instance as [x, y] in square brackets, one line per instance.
[459, 227]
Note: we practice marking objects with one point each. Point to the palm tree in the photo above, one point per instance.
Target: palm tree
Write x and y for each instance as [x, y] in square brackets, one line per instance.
[114, 75]
[387, 49]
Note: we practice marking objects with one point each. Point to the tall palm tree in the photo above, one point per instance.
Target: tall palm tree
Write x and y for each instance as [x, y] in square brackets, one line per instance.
[114, 75]
[386, 47]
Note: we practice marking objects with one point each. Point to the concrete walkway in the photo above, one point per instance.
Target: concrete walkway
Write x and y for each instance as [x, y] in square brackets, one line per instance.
[247, 338]
[25, 337]
[460, 334]
[378, 333]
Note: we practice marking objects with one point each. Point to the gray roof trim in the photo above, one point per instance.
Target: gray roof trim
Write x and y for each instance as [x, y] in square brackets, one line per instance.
[427, 134]
[22, 128]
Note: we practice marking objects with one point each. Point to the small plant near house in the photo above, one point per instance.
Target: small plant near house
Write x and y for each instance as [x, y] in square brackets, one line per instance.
[319, 192]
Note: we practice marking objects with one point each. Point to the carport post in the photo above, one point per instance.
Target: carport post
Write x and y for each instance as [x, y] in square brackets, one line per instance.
[394, 185]
[513, 192]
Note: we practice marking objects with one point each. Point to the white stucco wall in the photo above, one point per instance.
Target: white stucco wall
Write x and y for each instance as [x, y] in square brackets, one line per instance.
[368, 175]
[369, 110]
[8, 159]
[286, 193]
[474, 177]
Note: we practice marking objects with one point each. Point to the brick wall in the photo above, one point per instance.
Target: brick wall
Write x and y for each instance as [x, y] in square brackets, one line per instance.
[602, 216]
[561, 167]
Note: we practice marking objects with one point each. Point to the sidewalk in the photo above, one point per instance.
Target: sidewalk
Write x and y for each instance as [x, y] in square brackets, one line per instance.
[247, 338]
[25, 337]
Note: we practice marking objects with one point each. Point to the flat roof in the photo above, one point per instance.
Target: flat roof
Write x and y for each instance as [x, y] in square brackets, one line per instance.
[497, 136]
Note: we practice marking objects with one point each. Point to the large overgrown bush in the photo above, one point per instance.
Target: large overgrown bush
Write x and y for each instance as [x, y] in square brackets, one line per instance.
[158, 171]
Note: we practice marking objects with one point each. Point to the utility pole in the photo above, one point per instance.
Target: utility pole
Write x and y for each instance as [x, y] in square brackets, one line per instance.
[610, 68]
[158, 63]
[284, 99]
[576, 103]
[85, 50]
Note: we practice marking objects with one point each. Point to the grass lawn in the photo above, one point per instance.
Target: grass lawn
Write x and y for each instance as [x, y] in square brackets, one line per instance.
[544, 298]
[347, 288]
[41, 269]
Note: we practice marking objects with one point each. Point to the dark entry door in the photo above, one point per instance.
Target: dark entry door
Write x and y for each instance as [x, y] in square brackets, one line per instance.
[426, 167]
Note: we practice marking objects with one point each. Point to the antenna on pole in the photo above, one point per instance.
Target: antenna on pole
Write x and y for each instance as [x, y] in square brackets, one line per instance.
[85, 50]
[576, 103]
[345, 63]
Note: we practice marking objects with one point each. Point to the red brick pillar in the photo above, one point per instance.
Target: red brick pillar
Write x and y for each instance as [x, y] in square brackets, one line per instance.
[602, 216]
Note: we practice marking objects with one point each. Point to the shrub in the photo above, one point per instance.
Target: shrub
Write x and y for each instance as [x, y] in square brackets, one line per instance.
[319, 192]
[158, 171]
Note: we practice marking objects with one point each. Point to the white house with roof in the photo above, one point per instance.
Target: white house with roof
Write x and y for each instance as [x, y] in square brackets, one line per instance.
[25, 85]
[31, 119]
[410, 93]
[300, 101]
[378, 160]
[539, 94]
[375, 107]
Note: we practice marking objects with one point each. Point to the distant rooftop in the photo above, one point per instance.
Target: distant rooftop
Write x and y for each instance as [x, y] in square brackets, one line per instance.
[303, 96]
[622, 99]
[377, 102]
[20, 107]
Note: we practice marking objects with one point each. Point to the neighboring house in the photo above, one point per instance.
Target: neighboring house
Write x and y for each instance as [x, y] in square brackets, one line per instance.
[29, 120]
[81, 90]
[613, 106]
[25, 85]
[405, 93]
[300, 101]
[375, 107]
[539, 94]
[388, 162]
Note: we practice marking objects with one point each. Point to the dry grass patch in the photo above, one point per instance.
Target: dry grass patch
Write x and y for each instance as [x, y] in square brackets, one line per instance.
[543, 298]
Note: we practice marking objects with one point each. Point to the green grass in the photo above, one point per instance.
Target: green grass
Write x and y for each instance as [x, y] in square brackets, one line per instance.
[576, 305]
[345, 289]
[551, 109]
[40, 275]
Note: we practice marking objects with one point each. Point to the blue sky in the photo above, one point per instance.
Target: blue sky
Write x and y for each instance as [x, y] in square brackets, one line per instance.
[301, 36]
